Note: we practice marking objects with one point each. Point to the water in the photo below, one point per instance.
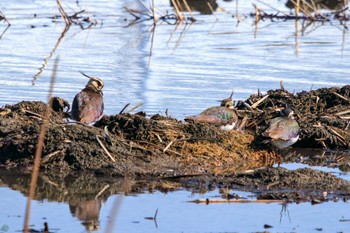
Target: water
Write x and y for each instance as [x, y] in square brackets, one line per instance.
[191, 66]
[176, 214]
[186, 69]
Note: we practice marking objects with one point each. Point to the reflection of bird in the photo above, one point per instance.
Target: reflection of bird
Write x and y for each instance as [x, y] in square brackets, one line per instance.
[88, 105]
[283, 131]
[222, 116]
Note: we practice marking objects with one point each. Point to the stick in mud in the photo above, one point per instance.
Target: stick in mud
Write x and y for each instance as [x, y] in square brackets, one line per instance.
[39, 148]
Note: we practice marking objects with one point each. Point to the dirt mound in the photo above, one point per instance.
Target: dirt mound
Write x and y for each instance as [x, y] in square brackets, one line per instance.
[124, 144]
[132, 144]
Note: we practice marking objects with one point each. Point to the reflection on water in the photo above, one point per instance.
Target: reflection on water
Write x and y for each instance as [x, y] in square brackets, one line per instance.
[88, 212]
[75, 204]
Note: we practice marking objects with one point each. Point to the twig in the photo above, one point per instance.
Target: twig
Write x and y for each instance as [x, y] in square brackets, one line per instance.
[154, 217]
[257, 103]
[127, 105]
[105, 130]
[47, 157]
[342, 113]
[102, 190]
[132, 109]
[39, 149]
[167, 147]
[64, 15]
[179, 16]
[243, 122]
[347, 125]
[188, 8]
[212, 10]
[340, 96]
[104, 148]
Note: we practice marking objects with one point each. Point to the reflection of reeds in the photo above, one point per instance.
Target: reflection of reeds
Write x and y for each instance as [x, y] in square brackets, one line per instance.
[2, 17]
[46, 60]
[75, 19]
[305, 10]
[39, 148]
[179, 17]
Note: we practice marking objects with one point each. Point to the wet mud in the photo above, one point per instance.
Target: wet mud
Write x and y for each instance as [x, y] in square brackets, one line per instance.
[163, 148]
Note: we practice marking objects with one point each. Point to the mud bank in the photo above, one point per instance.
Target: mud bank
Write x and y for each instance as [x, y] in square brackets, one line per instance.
[157, 146]
[138, 146]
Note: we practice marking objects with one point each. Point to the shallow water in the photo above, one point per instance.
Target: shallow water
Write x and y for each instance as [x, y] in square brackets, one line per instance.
[176, 214]
[191, 67]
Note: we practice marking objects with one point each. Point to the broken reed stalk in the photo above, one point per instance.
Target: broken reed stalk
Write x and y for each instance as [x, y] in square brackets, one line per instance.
[132, 109]
[154, 13]
[123, 109]
[212, 10]
[39, 148]
[342, 97]
[188, 8]
[257, 103]
[105, 149]
[63, 13]
[297, 8]
[179, 16]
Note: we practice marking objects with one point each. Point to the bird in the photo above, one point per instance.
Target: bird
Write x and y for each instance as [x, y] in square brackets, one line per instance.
[222, 116]
[87, 106]
[282, 131]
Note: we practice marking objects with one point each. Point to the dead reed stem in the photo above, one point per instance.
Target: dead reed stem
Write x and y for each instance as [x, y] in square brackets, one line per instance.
[212, 10]
[177, 11]
[297, 8]
[39, 148]
[64, 15]
[105, 149]
[188, 8]
[132, 109]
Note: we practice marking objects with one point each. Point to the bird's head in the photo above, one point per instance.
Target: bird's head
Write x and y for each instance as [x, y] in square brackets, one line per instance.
[95, 82]
[228, 102]
[287, 112]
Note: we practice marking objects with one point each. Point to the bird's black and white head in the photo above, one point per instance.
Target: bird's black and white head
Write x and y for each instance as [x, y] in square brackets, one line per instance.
[94, 82]
[287, 112]
[228, 102]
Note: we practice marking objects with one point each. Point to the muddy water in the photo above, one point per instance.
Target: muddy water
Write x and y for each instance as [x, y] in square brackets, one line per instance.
[190, 68]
